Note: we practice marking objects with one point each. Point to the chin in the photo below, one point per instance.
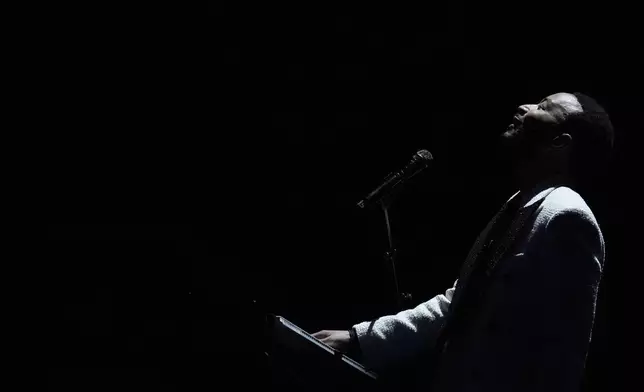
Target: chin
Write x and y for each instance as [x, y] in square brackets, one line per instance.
[510, 132]
[512, 129]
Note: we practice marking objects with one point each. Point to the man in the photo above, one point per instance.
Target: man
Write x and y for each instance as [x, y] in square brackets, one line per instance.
[520, 314]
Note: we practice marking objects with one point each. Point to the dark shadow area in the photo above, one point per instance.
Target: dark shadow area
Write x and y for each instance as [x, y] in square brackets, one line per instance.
[320, 104]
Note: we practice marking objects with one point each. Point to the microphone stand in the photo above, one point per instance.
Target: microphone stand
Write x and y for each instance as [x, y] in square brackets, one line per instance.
[390, 257]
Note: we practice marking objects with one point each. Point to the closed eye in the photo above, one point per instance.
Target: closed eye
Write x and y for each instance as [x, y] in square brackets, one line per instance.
[542, 105]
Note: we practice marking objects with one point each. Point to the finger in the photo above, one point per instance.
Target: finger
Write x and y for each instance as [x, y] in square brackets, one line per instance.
[320, 334]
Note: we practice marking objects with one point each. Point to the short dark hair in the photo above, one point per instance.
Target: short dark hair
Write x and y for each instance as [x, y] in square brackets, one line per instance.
[592, 139]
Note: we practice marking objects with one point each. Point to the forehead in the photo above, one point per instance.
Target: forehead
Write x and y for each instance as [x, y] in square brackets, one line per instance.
[566, 101]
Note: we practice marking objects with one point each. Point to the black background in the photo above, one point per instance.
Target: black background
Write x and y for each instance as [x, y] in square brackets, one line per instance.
[265, 153]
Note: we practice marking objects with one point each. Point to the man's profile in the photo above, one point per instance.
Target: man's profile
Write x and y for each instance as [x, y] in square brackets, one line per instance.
[520, 315]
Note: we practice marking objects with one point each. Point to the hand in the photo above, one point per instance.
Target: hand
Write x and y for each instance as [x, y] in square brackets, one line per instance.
[338, 340]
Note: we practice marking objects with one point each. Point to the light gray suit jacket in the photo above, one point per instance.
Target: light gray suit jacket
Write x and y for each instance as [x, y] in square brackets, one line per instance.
[535, 324]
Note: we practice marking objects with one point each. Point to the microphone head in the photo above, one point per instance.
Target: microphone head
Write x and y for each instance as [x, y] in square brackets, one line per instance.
[424, 154]
[421, 161]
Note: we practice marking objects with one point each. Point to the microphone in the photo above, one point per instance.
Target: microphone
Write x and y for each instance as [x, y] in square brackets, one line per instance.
[418, 163]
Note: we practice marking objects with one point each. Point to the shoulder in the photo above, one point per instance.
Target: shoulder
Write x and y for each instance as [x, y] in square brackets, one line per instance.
[564, 198]
[564, 216]
[565, 202]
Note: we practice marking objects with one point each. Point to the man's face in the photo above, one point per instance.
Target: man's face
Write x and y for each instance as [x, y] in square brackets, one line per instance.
[535, 125]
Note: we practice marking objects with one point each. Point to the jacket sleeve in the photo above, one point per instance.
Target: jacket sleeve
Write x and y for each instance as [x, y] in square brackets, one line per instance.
[397, 337]
[574, 255]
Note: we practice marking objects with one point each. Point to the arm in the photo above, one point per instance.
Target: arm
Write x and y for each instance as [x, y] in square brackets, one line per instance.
[391, 338]
[574, 253]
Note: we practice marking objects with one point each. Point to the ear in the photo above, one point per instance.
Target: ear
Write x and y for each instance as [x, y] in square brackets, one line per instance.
[562, 140]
